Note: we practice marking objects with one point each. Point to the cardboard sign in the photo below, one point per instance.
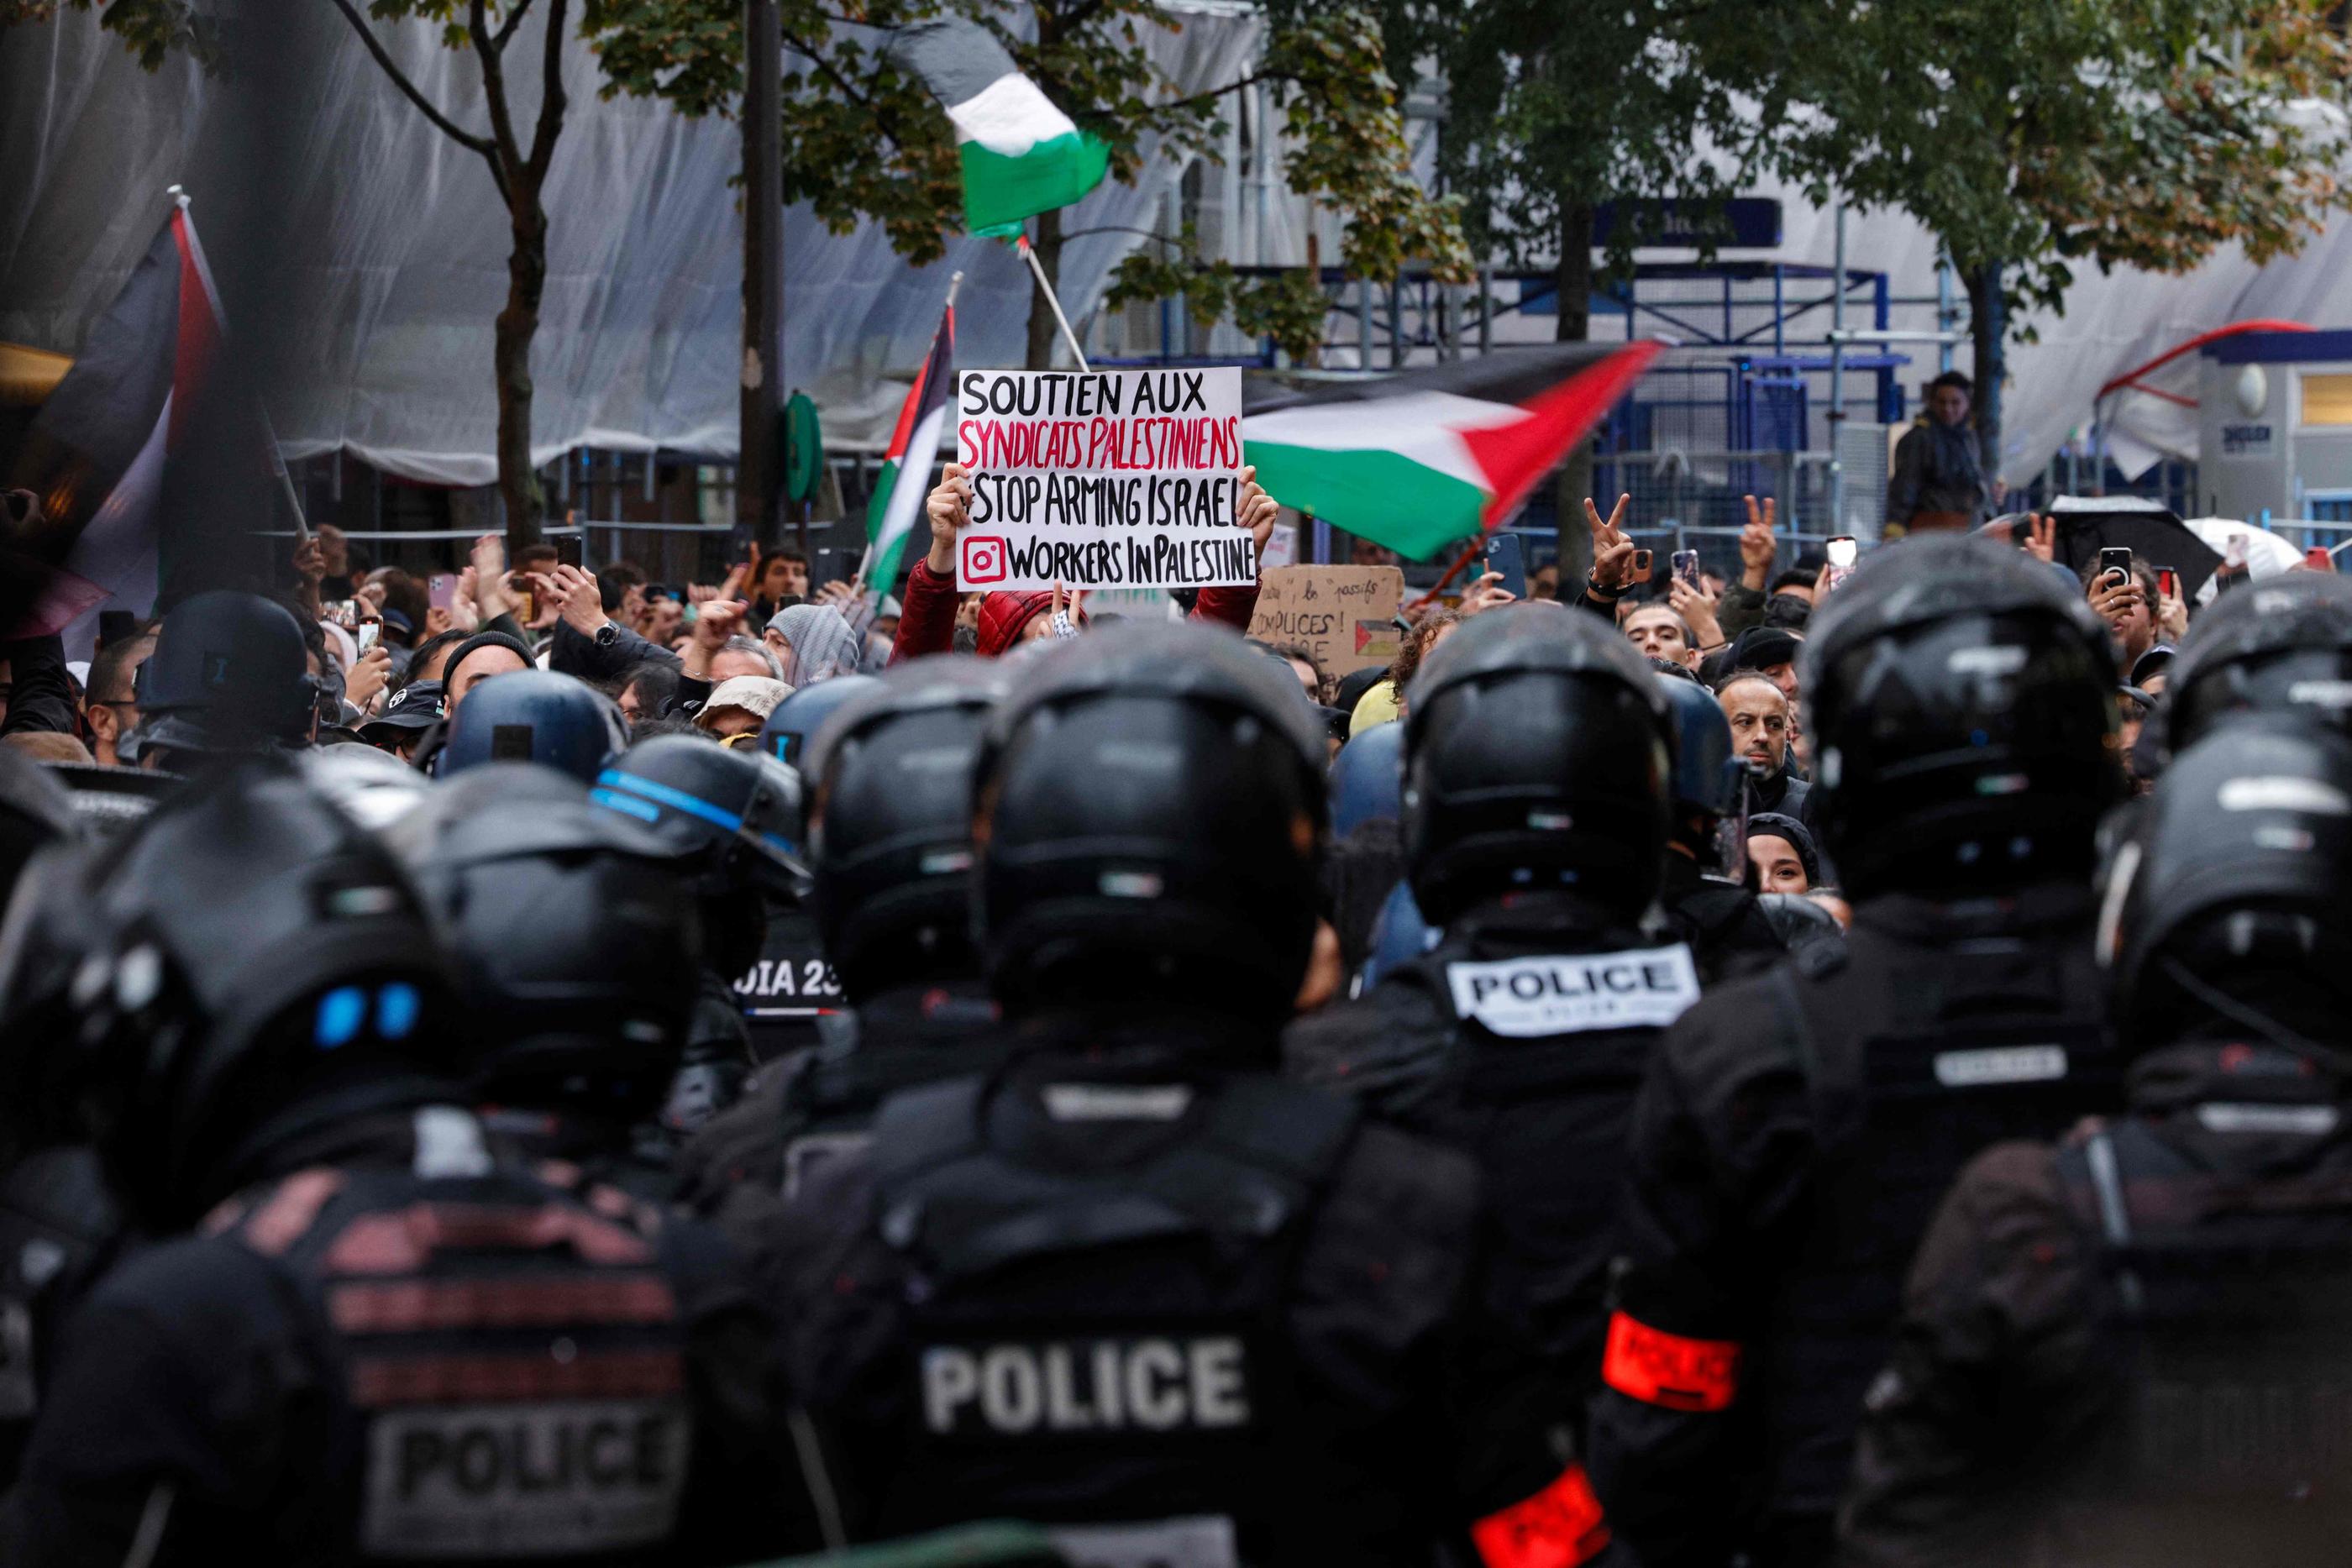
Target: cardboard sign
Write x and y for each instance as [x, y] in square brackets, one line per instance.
[1344, 615]
[1102, 479]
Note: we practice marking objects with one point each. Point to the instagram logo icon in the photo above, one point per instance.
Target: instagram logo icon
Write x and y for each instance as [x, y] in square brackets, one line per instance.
[983, 559]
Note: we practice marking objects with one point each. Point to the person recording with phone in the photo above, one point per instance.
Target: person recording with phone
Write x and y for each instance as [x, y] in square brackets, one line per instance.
[2123, 593]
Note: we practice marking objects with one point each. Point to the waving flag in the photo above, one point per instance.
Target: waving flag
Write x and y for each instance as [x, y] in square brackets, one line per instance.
[1020, 155]
[94, 458]
[1418, 460]
[907, 466]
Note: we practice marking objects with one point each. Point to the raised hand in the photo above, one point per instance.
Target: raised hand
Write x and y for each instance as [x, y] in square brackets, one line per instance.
[1612, 550]
[1258, 509]
[1758, 545]
[948, 506]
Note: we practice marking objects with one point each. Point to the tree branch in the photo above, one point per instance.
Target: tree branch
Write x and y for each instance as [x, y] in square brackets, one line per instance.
[441, 122]
[552, 102]
[882, 116]
[494, 88]
[1119, 229]
[1233, 86]
[506, 28]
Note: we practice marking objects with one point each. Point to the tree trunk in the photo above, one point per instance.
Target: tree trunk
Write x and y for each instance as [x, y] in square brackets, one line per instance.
[518, 324]
[1573, 279]
[1988, 330]
[1047, 243]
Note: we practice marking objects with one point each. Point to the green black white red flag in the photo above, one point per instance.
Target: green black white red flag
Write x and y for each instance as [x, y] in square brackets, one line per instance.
[898, 492]
[1419, 460]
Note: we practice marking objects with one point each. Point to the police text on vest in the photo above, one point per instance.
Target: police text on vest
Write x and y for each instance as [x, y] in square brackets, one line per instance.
[1571, 992]
[1147, 1384]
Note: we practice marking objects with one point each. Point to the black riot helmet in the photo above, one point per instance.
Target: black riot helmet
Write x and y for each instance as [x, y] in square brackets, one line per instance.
[230, 672]
[535, 715]
[575, 942]
[735, 814]
[732, 819]
[2283, 644]
[255, 968]
[889, 837]
[795, 720]
[1961, 701]
[1534, 759]
[1709, 787]
[36, 809]
[1148, 809]
[2226, 905]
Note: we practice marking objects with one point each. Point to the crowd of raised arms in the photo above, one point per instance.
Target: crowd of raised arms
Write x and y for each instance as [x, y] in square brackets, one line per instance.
[1834, 1064]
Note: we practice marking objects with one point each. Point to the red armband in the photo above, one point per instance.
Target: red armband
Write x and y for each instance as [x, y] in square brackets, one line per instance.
[1559, 1527]
[1657, 1368]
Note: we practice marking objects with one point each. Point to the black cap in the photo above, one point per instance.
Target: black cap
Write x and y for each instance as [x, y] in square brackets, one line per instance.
[416, 705]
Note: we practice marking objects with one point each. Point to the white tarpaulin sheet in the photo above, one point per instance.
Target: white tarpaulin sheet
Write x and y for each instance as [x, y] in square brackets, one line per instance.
[404, 240]
[639, 344]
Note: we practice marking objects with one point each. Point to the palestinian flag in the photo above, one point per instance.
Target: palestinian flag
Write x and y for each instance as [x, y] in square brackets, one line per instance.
[1020, 155]
[897, 502]
[95, 454]
[1418, 460]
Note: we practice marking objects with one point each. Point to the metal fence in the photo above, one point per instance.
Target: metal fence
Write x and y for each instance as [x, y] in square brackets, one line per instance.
[1691, 495]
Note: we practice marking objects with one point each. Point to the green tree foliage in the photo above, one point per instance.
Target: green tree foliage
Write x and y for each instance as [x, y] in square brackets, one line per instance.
[863, 138]
[2032, 138]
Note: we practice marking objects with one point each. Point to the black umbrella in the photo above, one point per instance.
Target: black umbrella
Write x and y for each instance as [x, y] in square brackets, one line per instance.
[2088, 523]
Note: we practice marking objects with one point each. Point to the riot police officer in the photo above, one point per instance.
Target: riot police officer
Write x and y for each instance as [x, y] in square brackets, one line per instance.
[230, 673]
[370, 1340]
[1150, 1295]
[1799, 1126]
[1706, 896]
[534, 716]
[56, 1217]
[2283, 644]
[576, 948]
[794, 721]
[889, 843]
[1535, 819]
[2133, 1346]
[789, 991]
[732, 818]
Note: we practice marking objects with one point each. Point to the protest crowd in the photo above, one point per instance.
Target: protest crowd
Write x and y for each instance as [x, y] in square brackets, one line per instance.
[1829, 1062]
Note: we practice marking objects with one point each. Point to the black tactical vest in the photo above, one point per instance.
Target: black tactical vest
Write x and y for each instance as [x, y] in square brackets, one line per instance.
[1108, 1350]
[831, 1098]
[503, 1363]
[788, 987]
[1537, 1084]
[1956, 1051]
[57, 1223]
[2231, 1437]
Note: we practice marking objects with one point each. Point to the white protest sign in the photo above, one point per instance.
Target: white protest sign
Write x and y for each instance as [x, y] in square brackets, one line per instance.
[1102, 479]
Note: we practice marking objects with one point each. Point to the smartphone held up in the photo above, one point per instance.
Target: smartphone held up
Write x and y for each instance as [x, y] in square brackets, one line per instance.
[1843, 552]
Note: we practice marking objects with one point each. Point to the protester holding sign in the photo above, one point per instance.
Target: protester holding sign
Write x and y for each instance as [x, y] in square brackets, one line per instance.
[1073, 467]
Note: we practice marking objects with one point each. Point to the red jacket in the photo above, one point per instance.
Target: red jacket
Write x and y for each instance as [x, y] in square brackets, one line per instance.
[928, 612]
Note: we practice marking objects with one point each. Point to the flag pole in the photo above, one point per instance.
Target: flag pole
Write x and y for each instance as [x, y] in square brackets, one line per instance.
[1051, 298]
[857, 583]
[185, 202]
